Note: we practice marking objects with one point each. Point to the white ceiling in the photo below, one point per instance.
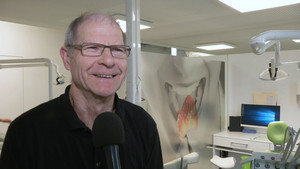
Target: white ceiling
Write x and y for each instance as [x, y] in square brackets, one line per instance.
[176, 23]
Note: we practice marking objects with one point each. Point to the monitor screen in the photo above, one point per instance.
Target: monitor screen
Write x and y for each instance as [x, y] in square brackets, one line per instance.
[259, 115]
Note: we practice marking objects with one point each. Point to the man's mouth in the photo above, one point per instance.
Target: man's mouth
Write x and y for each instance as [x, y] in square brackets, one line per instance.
[106, 76]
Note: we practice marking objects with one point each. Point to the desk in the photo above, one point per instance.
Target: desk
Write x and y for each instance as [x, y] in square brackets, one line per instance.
[243, 143]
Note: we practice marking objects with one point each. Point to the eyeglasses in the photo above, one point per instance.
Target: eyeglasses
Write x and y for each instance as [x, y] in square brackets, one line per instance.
[96, 49]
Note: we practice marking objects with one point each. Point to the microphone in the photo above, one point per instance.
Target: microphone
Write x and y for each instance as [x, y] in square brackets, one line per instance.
[108, 133]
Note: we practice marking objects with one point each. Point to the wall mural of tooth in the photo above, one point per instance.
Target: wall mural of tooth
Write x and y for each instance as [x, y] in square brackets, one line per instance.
[187, 118]
[185, 96]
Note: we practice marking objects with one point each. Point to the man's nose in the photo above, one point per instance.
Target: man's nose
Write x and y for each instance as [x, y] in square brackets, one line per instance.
[107, 57]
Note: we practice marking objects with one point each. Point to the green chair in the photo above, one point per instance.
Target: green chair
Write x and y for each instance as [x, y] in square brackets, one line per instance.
[278, 134]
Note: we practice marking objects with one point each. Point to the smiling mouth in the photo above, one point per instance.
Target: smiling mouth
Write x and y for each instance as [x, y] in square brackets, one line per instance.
[106, 76]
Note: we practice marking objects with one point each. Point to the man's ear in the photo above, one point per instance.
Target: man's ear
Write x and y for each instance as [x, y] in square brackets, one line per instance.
[65, 57]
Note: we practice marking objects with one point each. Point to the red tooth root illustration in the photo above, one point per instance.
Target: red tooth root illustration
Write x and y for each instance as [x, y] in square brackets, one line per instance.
[187, 117]
[5, 120]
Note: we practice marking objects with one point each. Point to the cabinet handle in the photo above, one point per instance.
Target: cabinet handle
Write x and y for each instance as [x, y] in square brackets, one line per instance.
[238, 145]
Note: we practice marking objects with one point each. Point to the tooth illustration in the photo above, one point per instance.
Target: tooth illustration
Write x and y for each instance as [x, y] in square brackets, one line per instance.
[173, 102]
[187, 118]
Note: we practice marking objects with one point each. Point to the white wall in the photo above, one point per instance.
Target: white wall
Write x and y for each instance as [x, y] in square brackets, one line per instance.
[24, 88]
[243, 71]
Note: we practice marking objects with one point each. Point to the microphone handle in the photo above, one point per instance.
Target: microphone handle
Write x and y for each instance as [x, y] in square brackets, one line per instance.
[112, 157]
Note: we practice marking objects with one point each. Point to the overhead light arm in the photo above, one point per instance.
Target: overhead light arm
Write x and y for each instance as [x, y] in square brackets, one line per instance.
[259, 45]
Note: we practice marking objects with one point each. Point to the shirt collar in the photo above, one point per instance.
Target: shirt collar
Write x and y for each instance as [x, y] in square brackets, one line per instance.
[72, 119]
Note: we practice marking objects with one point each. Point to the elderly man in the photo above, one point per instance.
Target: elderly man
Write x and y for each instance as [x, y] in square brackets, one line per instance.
[57, 134]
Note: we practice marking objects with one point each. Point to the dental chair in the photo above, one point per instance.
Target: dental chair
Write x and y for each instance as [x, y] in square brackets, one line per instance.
[284, 139]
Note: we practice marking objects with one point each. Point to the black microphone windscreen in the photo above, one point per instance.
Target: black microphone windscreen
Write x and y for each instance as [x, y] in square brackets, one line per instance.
[107, 130]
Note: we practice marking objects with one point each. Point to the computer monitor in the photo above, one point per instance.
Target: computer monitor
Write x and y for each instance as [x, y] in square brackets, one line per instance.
[259, 116]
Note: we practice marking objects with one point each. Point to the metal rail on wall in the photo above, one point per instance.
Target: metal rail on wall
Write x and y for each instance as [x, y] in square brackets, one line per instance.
[35, 62]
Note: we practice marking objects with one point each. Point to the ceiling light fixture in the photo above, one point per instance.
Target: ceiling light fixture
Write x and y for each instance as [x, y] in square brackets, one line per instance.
[198, 54]
[121, 19]
[255, 5]
[215, 46]
[297, 40]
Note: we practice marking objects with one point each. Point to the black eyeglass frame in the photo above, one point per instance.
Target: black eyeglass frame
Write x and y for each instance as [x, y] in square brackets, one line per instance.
[81, 46]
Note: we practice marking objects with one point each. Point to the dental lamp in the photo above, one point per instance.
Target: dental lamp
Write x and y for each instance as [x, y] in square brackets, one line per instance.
[60, 78]
[260, 43]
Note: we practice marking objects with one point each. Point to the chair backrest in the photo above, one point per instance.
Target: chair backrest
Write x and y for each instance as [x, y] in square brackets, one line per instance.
[276, 132]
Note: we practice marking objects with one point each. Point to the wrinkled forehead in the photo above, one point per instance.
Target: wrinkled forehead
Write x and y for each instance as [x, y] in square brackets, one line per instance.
[96, 21]
[99, 22]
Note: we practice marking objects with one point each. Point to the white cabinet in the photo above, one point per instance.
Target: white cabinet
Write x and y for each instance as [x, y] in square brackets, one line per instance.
[242, 141]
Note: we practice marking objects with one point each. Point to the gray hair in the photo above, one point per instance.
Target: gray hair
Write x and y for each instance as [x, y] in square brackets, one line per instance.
[71, 33]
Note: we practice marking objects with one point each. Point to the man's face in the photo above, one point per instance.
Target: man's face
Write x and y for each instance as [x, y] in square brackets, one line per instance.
[103, 75]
